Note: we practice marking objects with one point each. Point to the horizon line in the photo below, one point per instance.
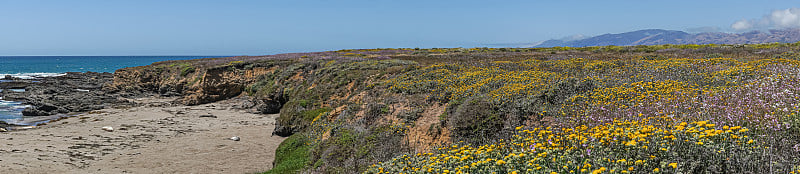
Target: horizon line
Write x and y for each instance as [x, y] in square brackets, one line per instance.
[116, 55]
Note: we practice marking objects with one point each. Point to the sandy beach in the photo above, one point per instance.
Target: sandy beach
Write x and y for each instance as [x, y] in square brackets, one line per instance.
[154, 137]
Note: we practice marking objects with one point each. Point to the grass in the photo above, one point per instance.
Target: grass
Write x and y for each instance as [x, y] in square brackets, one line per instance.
[311, 114]
[186, 70]
[291, 155]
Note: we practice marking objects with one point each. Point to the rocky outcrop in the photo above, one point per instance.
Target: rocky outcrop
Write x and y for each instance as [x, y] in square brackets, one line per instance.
[202, 81]
[14, 84]
[269, 106]
[217, 84]
[42, 109]
[73, 92]
[135, 81]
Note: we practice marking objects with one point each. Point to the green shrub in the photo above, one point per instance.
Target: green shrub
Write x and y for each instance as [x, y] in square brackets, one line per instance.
[309, 115]
[187, 70]
[410, 116]
[305, 103]
[291, 155]
[788, 55]
[475, 122]
[714, 55]
[350, 150]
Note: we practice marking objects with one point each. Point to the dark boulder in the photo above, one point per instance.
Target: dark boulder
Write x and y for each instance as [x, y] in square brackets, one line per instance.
[32, 111]
[3, 124]
[284, 130]
[268, 106]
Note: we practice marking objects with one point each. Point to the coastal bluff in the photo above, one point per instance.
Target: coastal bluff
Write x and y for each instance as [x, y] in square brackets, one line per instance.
[345, 111]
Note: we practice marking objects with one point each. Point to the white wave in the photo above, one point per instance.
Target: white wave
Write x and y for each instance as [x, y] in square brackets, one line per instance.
[17, 90]
[32, 75]
[3, 102]
[20, 106]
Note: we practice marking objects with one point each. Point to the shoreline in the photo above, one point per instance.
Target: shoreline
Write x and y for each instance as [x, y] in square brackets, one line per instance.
[33, 76]
[30, 101]
[154, 136]
[27, 122]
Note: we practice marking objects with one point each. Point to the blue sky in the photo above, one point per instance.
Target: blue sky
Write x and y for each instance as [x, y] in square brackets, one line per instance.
[242, 27]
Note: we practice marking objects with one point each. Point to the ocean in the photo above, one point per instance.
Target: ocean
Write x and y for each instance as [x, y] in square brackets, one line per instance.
[28, 67]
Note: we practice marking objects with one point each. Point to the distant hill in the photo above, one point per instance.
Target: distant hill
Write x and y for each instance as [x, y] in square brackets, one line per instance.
[659, 36]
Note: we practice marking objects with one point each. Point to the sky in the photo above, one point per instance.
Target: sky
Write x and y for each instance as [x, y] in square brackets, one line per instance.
[261, 27]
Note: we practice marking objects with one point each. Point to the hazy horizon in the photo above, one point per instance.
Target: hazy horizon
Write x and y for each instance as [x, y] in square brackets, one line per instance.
[167, 28]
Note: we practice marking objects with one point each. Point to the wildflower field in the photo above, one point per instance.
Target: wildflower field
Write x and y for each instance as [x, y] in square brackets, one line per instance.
[604, 109]
[625, 115]
[607, 109]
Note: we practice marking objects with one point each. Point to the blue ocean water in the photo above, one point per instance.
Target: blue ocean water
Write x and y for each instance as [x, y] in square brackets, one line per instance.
[9, 111]
[62, 64]
[39, 66]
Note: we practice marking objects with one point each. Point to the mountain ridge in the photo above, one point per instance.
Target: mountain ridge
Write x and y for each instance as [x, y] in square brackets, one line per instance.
[661, 36]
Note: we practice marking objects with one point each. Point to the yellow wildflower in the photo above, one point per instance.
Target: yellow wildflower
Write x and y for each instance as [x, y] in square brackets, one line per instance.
[601, 170]
[744, 130]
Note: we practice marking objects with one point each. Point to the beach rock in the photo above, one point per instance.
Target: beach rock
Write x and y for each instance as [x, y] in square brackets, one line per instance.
[32, 111]
[3, 124]
[208, 116]
[23, 127]
[15, 84]
[42, 109]
[108, 128]
[73, 92]
[47, 107]
[234, 138]
[268, 106]
[284, 130]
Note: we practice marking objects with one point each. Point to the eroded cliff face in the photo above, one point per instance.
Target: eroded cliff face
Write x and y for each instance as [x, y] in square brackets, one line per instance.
[216, 84]
[195, 85]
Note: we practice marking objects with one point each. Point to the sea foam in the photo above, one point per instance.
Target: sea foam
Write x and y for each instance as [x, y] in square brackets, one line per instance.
[32, 75]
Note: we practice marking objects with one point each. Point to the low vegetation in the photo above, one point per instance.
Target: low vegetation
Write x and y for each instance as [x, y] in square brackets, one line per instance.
[291, 156]
[610, 109]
